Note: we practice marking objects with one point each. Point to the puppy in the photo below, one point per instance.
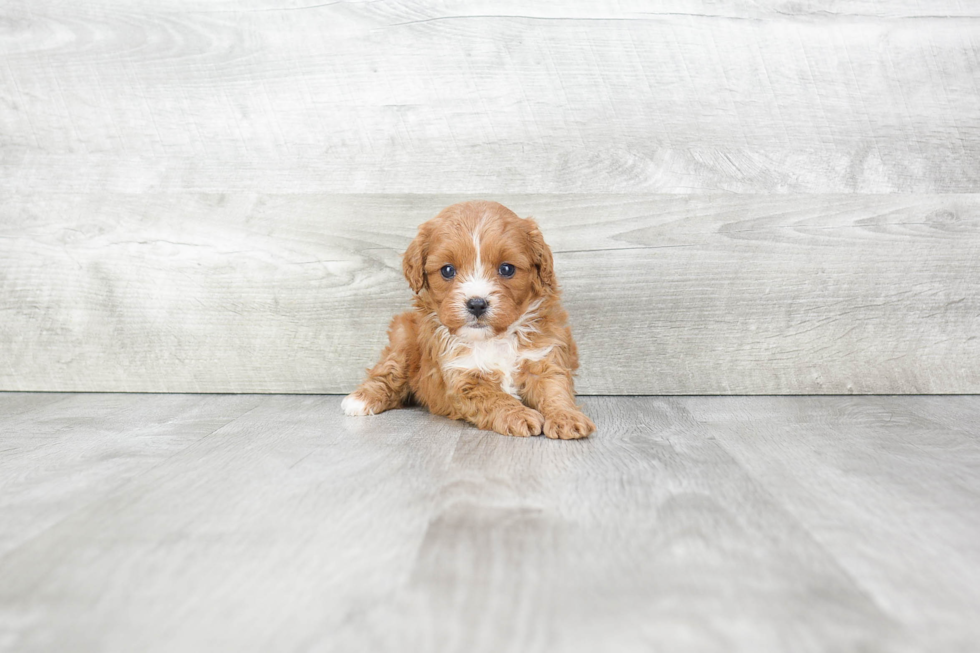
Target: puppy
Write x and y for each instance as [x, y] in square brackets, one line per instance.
[488, 341]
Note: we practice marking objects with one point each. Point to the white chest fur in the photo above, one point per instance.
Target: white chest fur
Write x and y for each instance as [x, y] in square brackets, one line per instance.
[495, 355]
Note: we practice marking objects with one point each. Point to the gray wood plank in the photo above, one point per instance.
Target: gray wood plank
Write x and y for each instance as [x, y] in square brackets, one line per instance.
[889, 486]
[722, 294]
[406, 97]
[273, 528]
[685, 524]
[15, 404]
[648, 536]
[69, 453]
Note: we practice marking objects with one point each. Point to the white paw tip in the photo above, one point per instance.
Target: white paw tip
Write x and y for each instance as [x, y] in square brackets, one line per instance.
[354, 406]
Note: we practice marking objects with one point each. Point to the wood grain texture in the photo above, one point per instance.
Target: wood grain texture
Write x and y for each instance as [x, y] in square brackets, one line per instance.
[753, 524]
[477, 97]
[640, 539]
[720, 294]
[212, 197]
[270, 530]
[69, 451]
[902, 471]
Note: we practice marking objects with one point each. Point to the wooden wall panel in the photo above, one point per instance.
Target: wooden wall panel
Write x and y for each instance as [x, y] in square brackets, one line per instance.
[745, 197]
[667, 294]
[490, 97]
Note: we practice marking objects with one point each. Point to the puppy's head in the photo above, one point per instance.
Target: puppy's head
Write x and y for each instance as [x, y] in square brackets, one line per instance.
[479, 267]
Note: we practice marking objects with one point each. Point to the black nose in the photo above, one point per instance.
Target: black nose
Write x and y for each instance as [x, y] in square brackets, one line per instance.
[476, 305]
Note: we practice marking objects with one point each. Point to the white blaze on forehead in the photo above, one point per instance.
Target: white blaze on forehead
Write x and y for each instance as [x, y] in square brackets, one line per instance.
[476, 244]
[477, 283]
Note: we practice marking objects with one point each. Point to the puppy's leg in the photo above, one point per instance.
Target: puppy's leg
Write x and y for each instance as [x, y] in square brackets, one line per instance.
[387, 386]
[548, 388]
[479, 400]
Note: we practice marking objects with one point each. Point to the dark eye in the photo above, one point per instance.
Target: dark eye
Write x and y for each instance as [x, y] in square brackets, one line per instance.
[506, 270]
[448, 272]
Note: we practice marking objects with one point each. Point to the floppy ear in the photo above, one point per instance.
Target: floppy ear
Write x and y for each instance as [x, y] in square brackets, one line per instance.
[413, 261]
[541, 255]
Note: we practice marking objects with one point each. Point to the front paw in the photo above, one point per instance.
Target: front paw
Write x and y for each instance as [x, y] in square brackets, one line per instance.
[521, 422]
[355, 404]
[568, 425]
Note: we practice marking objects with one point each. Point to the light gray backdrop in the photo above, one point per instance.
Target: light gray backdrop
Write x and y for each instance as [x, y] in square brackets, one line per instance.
[743, 197]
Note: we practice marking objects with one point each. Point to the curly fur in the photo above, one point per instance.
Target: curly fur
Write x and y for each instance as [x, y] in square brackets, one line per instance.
[509, 370]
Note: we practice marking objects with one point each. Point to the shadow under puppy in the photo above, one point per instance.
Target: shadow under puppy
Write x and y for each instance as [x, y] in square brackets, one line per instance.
[488, 340]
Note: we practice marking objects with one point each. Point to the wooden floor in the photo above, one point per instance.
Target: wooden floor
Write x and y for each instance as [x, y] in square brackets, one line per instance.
[275, 523]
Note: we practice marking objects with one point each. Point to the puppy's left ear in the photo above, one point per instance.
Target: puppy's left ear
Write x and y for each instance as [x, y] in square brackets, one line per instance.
[541, 255]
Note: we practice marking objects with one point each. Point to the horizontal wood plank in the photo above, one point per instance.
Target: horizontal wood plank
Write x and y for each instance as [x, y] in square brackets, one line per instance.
[466, 97]
[668, 295]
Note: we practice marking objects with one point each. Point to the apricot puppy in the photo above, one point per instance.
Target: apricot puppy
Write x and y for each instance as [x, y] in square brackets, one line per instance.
[487, 341]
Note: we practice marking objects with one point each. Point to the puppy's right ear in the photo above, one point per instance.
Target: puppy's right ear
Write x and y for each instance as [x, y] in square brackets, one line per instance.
[413, 261]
